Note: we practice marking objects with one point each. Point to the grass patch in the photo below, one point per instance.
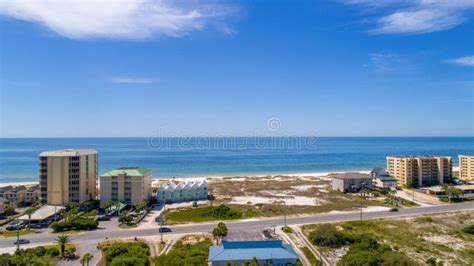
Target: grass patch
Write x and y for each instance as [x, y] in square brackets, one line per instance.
[310, 256]
[187, 251]
[438, 236]
[70, 232]
[127, 226]
[287, 229]
[7, 234]
[210, 213]
[126, 253]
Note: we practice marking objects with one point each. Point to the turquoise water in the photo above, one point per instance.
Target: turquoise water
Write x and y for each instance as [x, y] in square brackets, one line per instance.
[182, 157]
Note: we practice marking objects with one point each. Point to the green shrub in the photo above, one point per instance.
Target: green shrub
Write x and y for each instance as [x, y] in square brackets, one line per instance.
[75, 223]
[225, 212]
[185, 254]
[326, 235]
[53, 252]
[130, 253]
[366, 250]
[287, 229]
[469, 230]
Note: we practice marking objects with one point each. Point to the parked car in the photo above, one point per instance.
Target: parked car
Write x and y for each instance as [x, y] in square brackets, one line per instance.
[15, 227]
[164, 230]
[36, 226]
[21, 241]
[103, 218]
[45, 223]
[393, 210]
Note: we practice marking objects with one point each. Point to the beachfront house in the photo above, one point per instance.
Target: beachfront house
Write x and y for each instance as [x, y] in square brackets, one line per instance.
[171, 192]
[351, 182]
[382, 178]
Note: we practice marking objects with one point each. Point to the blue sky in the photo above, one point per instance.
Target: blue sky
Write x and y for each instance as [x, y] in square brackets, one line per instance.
[327, 68]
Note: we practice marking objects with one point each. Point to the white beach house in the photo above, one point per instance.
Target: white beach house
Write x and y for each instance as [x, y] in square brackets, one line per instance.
[182, 191]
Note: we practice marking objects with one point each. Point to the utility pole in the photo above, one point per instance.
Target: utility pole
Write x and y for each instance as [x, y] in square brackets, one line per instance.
[161, 230]
[17, 236]
[284, 203]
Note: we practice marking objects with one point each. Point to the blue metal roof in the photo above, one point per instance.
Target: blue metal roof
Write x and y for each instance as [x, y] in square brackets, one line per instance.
[247, 250]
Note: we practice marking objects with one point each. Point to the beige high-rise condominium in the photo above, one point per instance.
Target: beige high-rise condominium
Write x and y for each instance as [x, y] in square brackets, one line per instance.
[466, 167]
[418, 171]
[68, 176]
[126, 184]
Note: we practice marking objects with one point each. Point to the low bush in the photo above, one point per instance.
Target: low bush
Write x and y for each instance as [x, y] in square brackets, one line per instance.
[127, 253]
[366, 250]
[327, 235]
[33, 256]
[207, 213]
[77, 223]
[469, 230]
[185, 254]
[287, 229]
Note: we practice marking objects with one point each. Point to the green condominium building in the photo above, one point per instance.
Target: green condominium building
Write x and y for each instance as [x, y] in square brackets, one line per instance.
[126, 184]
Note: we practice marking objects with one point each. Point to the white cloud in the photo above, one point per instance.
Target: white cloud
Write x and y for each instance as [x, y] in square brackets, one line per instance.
[383, 61]
[416, 16]
[119, 19]
[463, 61]
[132, 80]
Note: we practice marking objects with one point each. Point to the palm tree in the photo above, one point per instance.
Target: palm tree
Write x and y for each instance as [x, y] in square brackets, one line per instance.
[216, 233]
[447, 190]
[219, 232]
[29, 212]
[62, 241]
[86, 258]
[456, 192]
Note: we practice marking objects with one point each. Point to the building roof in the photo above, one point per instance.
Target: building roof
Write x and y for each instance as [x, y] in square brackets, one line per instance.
[247, 250]
[129, 171]
[182, 185]
[6, 188]
[440, 188]
[419, 156]
[379, 171]
[67, 153]
[351, 175]
[42, 213]
[385, 178]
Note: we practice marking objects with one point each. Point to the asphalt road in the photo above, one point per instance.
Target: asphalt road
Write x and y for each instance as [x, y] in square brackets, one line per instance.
[96, 236]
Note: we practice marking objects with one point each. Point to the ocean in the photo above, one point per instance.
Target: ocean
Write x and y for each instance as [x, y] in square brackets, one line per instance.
[202, 156]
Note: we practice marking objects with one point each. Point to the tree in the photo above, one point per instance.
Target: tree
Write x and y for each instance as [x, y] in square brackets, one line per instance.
[219, 232]
[73, 208]
[29, 212]
[140, 205]
[124, 218]
[109, 204]
[451, 191]
[86, 259]
[456, 192]
[62, 241]
[447, 190]
[92, 213]
[9, 209]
